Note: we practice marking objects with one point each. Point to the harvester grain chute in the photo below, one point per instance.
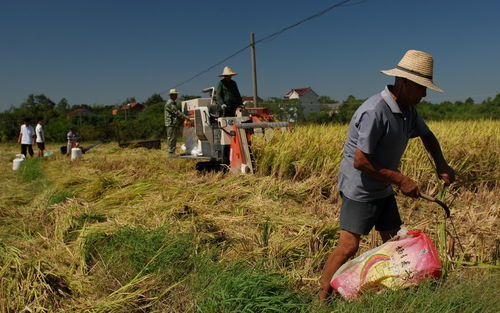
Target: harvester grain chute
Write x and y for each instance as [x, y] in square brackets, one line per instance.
[224, 143]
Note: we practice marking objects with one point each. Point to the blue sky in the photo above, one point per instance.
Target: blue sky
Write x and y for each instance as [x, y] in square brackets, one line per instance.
[101, 52]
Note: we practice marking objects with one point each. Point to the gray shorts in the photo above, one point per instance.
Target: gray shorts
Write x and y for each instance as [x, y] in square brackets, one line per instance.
[360, 217]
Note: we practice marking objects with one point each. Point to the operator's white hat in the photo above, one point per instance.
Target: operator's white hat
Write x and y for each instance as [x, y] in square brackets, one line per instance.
[227, 72]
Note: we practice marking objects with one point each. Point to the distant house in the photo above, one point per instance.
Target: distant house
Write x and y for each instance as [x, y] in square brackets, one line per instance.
[129, 107]
[77, 112]
[309, 100]
[247, 100]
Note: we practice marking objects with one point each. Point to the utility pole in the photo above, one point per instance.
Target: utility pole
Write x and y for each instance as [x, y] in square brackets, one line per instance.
[254, 69]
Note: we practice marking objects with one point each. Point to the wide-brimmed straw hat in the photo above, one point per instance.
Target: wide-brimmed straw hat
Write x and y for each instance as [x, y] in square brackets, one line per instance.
[173, 91]
[227, 72]
[417, 67]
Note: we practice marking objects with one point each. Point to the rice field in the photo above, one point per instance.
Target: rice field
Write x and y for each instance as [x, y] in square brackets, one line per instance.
[133, 231]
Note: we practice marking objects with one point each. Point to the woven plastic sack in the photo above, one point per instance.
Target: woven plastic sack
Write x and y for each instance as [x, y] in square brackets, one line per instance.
[397, 264]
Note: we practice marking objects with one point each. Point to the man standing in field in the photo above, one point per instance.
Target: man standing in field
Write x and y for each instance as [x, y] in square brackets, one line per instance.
[73, 138]
[26, 138]
[227, 94]
[173, 120]
[377, 137]
[40, 137]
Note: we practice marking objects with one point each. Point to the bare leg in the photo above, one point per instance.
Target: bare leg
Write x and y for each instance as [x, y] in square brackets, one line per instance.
[347, 247]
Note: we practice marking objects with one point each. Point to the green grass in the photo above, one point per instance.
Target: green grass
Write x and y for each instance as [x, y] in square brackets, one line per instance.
[244, 288]
[31, 169]
[58, 197]
[132, 252]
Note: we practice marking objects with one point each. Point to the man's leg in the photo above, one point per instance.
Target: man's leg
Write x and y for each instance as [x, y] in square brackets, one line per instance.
[41, 149]
[24, 149]
[171, 139]
[389, 222]
[347, 247]
[30, 150]
[388, 234]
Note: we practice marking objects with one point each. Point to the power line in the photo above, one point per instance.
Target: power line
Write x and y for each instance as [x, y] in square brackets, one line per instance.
[268, 37]
[276, 34]
[211, 67]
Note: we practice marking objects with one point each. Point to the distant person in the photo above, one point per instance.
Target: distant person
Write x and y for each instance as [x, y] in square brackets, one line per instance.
[173, 120]
[377, 136]
[40, 137]
[227, 95]
[73, 138]
[26, 138]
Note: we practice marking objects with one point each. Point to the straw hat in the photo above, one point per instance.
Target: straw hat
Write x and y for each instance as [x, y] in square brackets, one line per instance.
[173, 91]
[227, 72]
[417, 67]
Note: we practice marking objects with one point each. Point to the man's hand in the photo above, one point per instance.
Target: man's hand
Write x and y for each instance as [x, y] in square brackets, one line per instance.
[409, 187]
[447, 174]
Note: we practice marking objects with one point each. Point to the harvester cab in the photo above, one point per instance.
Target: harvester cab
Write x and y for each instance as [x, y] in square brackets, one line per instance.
[223, 143]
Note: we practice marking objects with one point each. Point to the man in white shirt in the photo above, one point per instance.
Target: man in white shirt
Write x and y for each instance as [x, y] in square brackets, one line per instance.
[26, 138]
[40, 137]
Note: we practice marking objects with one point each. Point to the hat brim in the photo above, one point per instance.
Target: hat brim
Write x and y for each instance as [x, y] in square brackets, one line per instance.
[222, 75]
[414, 78]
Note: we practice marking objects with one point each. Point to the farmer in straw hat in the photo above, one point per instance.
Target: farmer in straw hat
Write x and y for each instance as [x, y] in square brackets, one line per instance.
[377, 137]
[228, 95]
[173, 120]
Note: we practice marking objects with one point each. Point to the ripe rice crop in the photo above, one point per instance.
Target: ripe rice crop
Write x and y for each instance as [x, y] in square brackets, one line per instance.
[128, 230]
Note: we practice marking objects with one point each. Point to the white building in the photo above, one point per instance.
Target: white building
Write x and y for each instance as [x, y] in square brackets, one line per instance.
[309, 100]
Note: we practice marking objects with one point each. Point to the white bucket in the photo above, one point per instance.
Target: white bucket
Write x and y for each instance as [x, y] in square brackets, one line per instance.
[16, 164]
[245, 169]
[76, 154]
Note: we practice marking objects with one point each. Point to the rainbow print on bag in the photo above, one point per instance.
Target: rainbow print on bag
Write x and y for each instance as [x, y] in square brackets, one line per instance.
[396, 264]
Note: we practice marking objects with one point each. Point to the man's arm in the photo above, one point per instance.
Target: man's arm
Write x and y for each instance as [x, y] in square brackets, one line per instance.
[238, 95]
[219, 99]
[363, 163]
[20, 137]
[166, 113]
[445, 172]
[179, 113]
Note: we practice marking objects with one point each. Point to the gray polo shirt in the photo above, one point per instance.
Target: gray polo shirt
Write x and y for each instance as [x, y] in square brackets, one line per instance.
[380, 129]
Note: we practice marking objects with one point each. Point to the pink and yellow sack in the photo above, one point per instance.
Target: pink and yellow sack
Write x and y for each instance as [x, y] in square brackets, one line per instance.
[397, 264]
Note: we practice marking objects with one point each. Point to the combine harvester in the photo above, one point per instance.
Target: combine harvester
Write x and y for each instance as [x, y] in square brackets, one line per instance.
[224, 143]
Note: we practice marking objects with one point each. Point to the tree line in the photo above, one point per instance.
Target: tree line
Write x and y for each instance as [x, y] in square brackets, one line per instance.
[97, 122]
